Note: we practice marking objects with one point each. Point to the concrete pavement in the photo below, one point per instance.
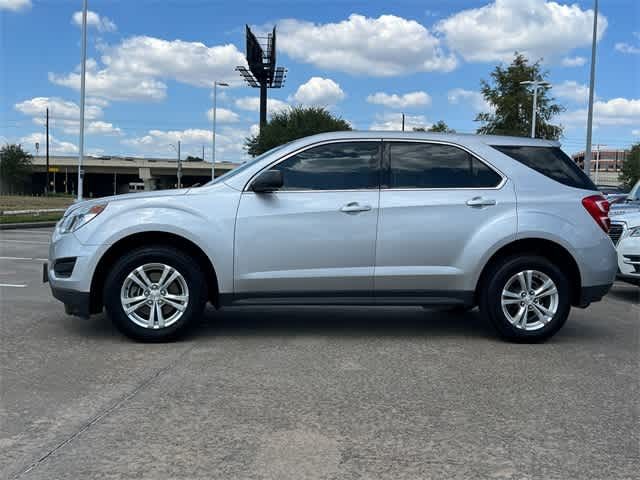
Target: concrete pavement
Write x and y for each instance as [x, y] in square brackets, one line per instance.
[311, 393]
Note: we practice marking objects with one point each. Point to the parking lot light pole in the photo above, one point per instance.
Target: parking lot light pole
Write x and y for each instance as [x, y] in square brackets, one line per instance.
[216, 84]
[83, 65]
[536, 84]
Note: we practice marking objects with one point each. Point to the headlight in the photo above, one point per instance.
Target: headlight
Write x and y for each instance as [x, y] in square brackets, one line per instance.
[79, 217]
[634, 232]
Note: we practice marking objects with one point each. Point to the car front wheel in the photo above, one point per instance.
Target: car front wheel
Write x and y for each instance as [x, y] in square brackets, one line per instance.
[526, 298]
[154, 293]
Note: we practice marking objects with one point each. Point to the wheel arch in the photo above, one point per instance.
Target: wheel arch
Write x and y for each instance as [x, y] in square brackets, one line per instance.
[548, 249]
[141, 239]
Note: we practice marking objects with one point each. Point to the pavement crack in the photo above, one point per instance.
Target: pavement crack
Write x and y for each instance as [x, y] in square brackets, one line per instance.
[103, 414]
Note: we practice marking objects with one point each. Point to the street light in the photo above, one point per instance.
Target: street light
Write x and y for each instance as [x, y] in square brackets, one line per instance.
[179, 163]
[536, 84]
[216, 84]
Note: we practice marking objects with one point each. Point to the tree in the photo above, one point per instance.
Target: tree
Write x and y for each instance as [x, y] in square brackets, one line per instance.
[191, 158]
[440, 126]
[512, 102]
[294, 123]
[15, 168]
[630, 172]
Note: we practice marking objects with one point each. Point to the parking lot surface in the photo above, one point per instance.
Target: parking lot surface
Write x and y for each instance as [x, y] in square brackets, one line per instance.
[306, 393]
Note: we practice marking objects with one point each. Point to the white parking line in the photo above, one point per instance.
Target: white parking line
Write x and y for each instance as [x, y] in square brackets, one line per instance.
[13, 285]
[24, 258]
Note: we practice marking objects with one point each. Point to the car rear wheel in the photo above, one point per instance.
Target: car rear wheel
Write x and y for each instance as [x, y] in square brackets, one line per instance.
[526, 298]
[155, 293]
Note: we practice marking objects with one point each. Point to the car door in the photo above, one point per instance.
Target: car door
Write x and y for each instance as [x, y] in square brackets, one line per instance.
[441, 210]
[316, 235]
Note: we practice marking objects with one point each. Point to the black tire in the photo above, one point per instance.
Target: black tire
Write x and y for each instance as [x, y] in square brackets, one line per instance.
[491, 293]
[183, 263]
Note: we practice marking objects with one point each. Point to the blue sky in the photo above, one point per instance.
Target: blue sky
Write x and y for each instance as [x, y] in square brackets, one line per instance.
[151, 65]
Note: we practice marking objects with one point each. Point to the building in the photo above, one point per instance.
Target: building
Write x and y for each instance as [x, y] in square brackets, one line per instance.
[605, 164]
[114, 175]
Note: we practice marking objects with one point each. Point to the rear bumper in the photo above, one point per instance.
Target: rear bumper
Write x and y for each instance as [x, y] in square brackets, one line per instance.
[592, 294]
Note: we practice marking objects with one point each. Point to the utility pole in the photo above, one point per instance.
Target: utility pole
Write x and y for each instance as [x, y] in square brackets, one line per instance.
[534, 112]
[179, 167]
[592, 81]
[403, 122]
[83, 64]
[217, 84]
[46, 187]
[203, 153]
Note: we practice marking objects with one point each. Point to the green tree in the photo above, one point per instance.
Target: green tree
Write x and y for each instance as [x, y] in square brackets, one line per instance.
[291, 124]
[630, 172]
[15, 168]
[512, 102]
[440, 126]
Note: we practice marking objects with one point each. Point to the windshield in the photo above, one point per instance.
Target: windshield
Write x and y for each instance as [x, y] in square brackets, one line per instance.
[244, 166]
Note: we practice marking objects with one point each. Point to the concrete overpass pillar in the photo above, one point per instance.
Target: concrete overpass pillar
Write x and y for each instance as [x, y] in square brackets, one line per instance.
[145, 175]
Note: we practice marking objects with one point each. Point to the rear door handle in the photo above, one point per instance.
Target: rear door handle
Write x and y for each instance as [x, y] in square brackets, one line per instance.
[481, 202]
[355, 207]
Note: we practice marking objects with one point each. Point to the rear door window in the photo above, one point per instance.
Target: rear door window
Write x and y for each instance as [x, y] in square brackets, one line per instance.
[552, 162]
[433, 165]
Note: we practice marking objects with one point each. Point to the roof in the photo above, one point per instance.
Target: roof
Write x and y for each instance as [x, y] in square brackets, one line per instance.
[460, 138]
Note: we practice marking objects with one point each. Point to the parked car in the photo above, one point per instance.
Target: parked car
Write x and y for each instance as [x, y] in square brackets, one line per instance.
[625, 233]
[631, 202]
[352, 218]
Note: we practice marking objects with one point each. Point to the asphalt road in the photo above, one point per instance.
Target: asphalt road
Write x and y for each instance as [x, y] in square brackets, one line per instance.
[305, 393]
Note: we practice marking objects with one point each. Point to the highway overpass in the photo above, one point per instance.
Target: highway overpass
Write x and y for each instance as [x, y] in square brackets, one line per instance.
[113, 175]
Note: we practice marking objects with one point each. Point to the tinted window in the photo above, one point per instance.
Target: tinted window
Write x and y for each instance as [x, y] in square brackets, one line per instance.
[337, 166]
[551, 162]
[424, 165]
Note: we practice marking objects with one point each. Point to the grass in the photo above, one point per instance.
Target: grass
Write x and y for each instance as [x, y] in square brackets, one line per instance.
[44, 217]
[25, 202]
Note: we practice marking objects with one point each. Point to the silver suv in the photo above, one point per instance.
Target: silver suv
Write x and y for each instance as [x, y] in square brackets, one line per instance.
[355, 218]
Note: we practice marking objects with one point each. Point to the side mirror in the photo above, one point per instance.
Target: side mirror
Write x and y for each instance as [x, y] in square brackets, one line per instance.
[267, 181]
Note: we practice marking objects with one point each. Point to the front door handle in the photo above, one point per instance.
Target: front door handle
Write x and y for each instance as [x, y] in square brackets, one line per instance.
[355, 207]
[481, 202]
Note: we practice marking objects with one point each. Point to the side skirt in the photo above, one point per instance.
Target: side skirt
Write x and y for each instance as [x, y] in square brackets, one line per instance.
[389, 298]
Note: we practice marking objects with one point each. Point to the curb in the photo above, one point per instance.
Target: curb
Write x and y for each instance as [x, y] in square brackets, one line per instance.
[14, 226]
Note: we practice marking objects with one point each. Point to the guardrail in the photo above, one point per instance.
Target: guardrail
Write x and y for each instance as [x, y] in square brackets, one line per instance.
[32, 212]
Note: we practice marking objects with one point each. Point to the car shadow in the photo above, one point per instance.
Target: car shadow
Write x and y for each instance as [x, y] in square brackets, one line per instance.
[626, 293]
[342, 322]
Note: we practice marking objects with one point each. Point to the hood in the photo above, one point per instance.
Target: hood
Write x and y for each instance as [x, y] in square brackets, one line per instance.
[632, 219]
[129, 196]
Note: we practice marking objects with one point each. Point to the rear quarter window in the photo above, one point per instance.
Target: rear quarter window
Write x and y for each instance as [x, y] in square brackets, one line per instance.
[552, 162]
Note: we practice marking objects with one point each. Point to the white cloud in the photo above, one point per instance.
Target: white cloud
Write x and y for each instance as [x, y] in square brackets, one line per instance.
[617, 111]
[407, 100]
[393, 121]
[460, 96]
[223, 115]
[319, 91]
[58, 109]
[252, 104]
[383, 46]
[15, 5]
[56, 147]
[571, 90]
[536, 28]
[229, 143]
[65, 115]
[636, 133]
[573, 61]
[624, 47]
[136, 68]
[102, 24]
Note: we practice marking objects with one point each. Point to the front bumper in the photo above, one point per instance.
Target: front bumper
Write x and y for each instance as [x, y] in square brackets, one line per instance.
[629, 259]
[72, 286]
[75, 303]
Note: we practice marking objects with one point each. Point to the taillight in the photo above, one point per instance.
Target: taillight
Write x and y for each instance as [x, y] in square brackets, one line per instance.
[598, 208]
